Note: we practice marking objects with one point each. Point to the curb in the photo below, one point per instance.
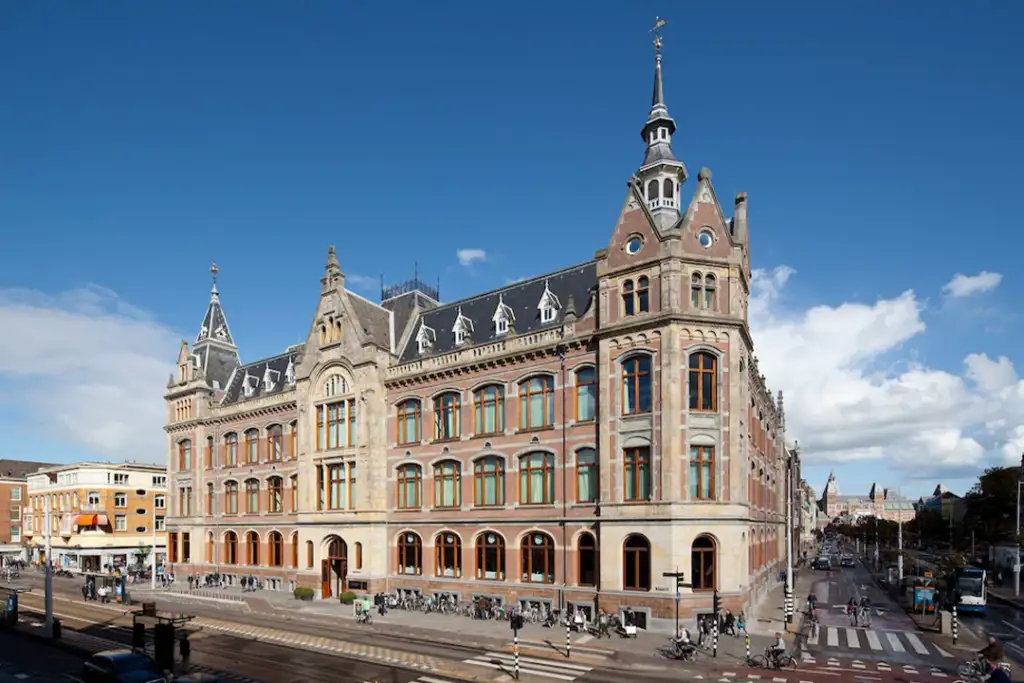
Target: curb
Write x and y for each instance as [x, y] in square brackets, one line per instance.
[1012, 602]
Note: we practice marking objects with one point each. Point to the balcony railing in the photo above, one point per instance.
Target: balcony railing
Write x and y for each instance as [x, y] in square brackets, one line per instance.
[93, 508]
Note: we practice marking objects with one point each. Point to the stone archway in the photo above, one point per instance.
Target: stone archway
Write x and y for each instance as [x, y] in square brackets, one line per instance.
[334, 567]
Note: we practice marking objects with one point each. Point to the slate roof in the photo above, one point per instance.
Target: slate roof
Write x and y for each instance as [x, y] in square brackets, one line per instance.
[19, 469]
[235, 393]
[660, 150]
[404, 306]
[376, 321]
[216, 364]
[215, 323]
[522, 297]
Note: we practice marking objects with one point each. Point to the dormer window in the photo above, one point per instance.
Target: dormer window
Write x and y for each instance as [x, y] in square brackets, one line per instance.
[548, 305]
[503, 317]
[249, 383]
[289, 373]
[270, 378]
[425, 337]
[463, 328]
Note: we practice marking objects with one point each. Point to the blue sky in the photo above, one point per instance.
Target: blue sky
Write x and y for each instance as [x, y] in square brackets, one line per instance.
[877, 143]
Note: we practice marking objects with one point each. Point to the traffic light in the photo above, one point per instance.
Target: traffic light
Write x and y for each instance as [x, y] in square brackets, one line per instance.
[163, 646]
[716, 605]
[516, 621]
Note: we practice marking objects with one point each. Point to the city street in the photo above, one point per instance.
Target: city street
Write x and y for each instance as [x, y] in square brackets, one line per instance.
[25, 660]
[1002, 621]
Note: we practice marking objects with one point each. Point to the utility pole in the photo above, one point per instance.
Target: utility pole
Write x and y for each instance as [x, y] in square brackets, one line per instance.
[1016, 565]
[565, 512]
[876, 543]
[899, 542]
[152, 556]
[47, 573]
[679, 578]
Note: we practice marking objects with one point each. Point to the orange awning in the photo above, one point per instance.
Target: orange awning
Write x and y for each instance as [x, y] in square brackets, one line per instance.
[86, 520]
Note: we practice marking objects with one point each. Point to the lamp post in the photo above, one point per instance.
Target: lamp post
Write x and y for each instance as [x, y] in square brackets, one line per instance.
[789, 537]
[1016, 565]
[152, 554]
[565, 520]
[47, 573]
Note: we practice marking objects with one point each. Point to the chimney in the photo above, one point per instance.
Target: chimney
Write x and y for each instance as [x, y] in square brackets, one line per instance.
[739, 220]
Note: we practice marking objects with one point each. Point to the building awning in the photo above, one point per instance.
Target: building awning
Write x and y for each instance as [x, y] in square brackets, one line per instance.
[86, 520]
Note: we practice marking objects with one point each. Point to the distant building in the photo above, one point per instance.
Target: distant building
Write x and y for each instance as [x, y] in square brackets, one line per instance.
[12, 495]
[944, 503]
[102, 515]
[808, 507]
[881, 503]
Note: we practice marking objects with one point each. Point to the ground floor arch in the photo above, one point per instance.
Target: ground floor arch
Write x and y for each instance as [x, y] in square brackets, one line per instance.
[334, 567]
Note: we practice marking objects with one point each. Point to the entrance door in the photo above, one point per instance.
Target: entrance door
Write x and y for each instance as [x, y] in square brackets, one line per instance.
[325, 579]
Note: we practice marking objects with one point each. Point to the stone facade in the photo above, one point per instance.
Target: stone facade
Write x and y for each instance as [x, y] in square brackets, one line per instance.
[567, 439]
[880, 503]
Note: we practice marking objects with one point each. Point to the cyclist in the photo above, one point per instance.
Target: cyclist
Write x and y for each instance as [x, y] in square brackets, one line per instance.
[997, 675]
[777, 649]
[991, 654]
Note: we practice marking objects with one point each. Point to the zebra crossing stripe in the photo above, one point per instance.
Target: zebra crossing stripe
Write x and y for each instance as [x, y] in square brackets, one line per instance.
[547, 668]
[873, 640]
[852, 639]
[833, 638]
[916, 643]
[894, 642]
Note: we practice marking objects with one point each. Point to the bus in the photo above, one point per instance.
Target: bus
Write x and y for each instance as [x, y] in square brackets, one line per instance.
[969, 584]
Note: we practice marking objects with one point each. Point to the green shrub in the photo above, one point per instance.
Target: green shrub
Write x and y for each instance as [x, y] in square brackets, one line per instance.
[303, 593]
[347, 598]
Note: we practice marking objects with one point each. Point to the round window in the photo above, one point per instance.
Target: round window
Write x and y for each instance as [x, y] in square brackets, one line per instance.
[633, 245]
[706, 239]
[409, 538]
[449, 539]
[491, 538]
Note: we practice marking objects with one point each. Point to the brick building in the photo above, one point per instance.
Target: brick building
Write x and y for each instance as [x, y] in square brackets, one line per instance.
[879, 502]
[566, 438]
[102, 515]
[13, 475]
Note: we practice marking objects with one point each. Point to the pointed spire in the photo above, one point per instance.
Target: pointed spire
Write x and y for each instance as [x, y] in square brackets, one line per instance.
[657, 131]
[215, 325]
[570, 309]
[333, 266]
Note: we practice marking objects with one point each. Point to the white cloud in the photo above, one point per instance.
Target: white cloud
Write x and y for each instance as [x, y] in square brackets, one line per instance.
[968, 285]
[846, 400]
[88, 369]
[468, 257]
[365, 283]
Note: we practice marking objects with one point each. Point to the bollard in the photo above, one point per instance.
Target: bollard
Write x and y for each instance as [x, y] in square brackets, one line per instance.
[568, 639]
[714, 637]
[515, 652]
[954, 625]
[789, 606]
[748, 647]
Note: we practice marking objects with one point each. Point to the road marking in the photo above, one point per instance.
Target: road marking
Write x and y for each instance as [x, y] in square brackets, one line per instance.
[873, 640]
[942, 652]
[546, 662]
[1018, 630]
[894, 642]
[851, 638]
[833, 637]
[584, 639]
[916, 643]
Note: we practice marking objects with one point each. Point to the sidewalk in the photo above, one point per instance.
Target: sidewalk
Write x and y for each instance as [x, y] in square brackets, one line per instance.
[769, 617]
[1006, 596]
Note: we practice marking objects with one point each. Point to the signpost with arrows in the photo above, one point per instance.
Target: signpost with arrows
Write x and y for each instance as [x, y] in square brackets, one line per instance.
[680, 583]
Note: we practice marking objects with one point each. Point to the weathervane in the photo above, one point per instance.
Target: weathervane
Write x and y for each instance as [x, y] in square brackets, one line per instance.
[213, 272]
[659, 23]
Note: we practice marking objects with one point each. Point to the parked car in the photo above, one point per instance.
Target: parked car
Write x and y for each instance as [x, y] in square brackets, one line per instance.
[121, 666]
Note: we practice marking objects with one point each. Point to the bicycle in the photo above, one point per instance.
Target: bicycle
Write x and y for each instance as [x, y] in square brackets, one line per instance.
[971, 669]
[782, 662]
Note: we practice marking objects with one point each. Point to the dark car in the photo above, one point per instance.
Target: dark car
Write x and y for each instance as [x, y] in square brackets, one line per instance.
[846, 561]
[120, 666]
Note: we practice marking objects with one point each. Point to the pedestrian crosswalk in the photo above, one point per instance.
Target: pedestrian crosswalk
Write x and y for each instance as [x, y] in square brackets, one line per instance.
[530, 666]
[866, 640]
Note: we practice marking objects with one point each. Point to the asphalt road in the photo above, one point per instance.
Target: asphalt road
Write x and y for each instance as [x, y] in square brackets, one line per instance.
[25, 660]
[1002, 621]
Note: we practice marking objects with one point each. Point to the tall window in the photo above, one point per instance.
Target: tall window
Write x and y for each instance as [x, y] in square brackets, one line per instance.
[230, 449]
[628, 298]
[586, 394]
[410, 479]
[231, 548]
[185, 455]
[275, 442]
[489, 481]
[295, 549]
[341, 486]
[642, 299]
[586, 475]
[208, 456]
[636, 385]
[447, 484]
[536, 402]
[446, 416]
[537, 479]
[448, 555]
[410, 554]
[335, 385]
[252, 446]
[336, 425]
[209, 499]
[702, 563]
[275, 545]
[489, 409]
[490, 556]
[410, 421]
[275, 494]
[636, 463]
[252, 548]
[538, 558]
[211, 556]
[295, 493]
[696, 290]
[292, 449]
[703, 382]
[709, 292]
[359, 555]
[586, 552]
[252, 496]
[702, 472]
[636, 563]
[231, 497]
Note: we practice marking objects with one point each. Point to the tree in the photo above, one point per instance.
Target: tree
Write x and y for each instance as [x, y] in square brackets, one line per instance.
[992, 505]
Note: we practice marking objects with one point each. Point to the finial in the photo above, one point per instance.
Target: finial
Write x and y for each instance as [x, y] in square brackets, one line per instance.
[213, 272]
[659, 23]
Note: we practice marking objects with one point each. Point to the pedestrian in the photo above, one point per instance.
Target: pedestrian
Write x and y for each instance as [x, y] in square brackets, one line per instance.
[741, 623]
[186, 650]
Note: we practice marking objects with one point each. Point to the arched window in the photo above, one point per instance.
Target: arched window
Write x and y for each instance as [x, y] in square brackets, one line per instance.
[696, 290]
[92, 498]
[294, 481]
[636, 563]
[636, 475]
[185, 455]
[586, 394]
[447, 422]
[294, 547]
[586, 475]
[537, 554]
[410, 554]
[230, 458]
[410, 420]
[323, 335]
[709, 292]
[703, 382]
[309, 554]
[230, 548]
[231, 497]
[586, 553]
[490, 556]
[275, 442]
[291, 450]
[448, 555]
[335, 385]
[628, 298]
[211, 557]
[652, 190]
[447, 484]
[252, 446]
[275, 545]
[643, 303]
[702, 472]
[636, 385]
[666, 185]
[702, 564]
[275, 494]
[537, 479]
[536, 402]
[489, 481]
[410, 481]
[252, 549]
[489, 409]
[252, 496]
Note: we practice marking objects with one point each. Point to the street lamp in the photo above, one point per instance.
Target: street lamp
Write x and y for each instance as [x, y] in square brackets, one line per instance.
[1016, 565]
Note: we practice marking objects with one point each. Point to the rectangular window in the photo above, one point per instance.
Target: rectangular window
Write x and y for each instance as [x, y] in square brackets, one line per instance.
[231, 498]
[252, 496]
[636, 465]
[586, 475]
[186, 547]
[447, 484]
[172, 545]
[336, 425]
[16, 493]
[320, 487]
[702, 473]
[489, 482]
[185, 455]
[337, 492]
[160, 502]
[446, 417]
[209, 452]
[537, 403]
[489, 410]
[120, 500]
[586, 394]
[275, 495]
[15, 534]
[120, 523]
[537, 479]
[295, 494]
[352, 486]
[408, 488]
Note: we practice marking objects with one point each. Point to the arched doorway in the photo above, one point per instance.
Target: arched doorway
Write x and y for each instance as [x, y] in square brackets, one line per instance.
[334, 568]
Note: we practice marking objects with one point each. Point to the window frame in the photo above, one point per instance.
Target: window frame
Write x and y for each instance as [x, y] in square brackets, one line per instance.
[695, 375]
[185, 455]
[403, 481]
[578, 386]
[403, 415]
[588, 469]
[596, 558]
[275, 484]
[442, 544]
[482, 546]
[252, 497]
[230, 548]
[697, 578]
[275, 443]
[547, 394]
[643, 297]
[410, 542]
[480, 476]
[441, 476]
[634, 556]
[275, 549]
[252, 446]
[252, 549]
[628, 299]
[447, 403]
[633, 374]
[231, 497]
[230, 449]
[635, 457]
[527, 559]
[481, 403]
[527, 469]
[697, 462]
